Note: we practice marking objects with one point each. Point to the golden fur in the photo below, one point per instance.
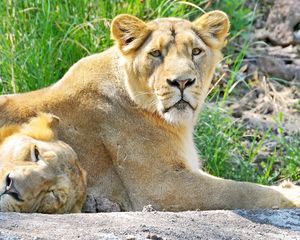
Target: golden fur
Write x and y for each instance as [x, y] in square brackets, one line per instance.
[38, 173]
[129, 113]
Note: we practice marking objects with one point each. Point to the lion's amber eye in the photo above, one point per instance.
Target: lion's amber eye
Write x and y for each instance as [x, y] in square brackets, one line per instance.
[155, 53]
[196, 51]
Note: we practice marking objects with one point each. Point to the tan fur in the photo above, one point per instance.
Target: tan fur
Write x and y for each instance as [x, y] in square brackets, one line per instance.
[53, 183]
[7, 131]
[121, 112]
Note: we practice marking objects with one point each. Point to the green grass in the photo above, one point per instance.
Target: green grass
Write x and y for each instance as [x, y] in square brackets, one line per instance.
[221, 144]
[41, 39]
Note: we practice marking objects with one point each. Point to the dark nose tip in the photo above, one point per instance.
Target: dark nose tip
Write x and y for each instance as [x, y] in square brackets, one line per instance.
[181, 83]
[9, 183]
[11, 190]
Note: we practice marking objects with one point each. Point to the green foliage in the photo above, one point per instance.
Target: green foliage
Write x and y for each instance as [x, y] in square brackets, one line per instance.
[241, 19]
[291, 157]
[221, 144]
[40, 40]
[241, 16]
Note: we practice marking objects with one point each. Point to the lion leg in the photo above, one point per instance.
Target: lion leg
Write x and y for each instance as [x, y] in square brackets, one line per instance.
[179, 190]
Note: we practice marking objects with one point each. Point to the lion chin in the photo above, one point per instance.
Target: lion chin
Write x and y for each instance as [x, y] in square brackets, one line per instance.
[181, 112]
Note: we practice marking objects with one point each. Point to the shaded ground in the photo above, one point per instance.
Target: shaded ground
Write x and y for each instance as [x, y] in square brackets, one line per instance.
[268, 81]
[271, 68]
[238, 224]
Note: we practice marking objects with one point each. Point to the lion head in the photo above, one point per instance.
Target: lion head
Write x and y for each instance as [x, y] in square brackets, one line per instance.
[170, 62]
[39, 173]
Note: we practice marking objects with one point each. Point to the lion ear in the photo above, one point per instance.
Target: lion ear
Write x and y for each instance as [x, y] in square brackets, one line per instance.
[129, 32]
[42, 127]
[213, 28]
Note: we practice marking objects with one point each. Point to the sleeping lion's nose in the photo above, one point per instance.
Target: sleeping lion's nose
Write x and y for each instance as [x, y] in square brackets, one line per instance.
[10, 188]
[181, 83]
[9, 183]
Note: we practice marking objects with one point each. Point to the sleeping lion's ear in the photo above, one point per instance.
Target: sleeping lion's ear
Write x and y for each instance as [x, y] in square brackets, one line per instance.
[129, 32]
[42, 127]
[213, 28]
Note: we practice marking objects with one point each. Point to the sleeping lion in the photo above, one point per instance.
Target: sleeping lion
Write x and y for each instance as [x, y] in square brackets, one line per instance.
[38, 173]
[129, 113]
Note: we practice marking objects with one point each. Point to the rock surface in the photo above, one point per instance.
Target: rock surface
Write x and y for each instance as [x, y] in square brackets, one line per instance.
[283, 18]
[278, 56]
[238, 224]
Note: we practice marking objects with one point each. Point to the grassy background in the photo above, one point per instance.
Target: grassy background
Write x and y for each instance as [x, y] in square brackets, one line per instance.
[41, 39]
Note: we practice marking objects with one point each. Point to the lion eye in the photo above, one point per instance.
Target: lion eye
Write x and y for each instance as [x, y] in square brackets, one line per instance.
[196, 51]
[35, 154]
[155, 53]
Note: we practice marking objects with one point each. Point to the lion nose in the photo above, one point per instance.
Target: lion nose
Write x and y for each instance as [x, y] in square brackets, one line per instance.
[9, 183]
[10, 188]
[181, 83]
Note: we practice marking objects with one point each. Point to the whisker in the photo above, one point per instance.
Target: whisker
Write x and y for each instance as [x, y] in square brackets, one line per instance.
[163, 94]
[165, 98]
[195, 92]
[153, 103]
[143, 93]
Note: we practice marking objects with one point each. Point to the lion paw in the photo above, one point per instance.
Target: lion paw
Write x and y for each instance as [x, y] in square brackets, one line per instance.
[291, 192]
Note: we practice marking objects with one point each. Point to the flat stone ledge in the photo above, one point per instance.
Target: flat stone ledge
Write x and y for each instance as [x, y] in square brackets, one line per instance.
[237, 224]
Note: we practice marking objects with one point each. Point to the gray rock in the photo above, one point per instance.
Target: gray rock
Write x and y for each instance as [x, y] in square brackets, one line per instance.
[99, 204]
[237, 224]
[284, 16]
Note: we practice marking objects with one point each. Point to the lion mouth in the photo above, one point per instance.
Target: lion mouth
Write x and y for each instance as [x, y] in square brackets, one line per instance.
[180, 105]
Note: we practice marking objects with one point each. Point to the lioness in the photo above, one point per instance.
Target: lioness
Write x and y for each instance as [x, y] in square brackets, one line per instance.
[129, 113]
[38, 173]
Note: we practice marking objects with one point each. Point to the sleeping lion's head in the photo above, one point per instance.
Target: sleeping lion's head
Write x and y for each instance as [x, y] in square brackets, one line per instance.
[170, 61]
[38, 173]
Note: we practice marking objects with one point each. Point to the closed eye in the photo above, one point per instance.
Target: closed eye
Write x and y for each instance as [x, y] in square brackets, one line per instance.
[35, 154]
